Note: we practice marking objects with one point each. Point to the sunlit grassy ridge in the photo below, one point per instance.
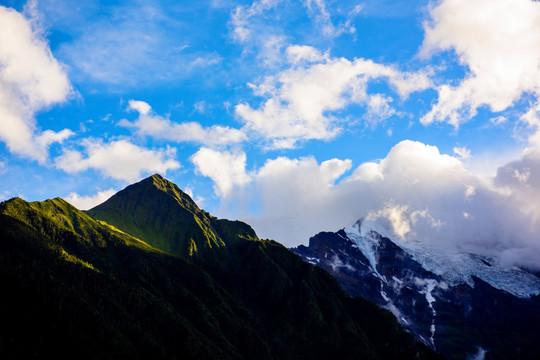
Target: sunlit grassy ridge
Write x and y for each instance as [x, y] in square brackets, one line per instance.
[159, 213]
[89, 289]
[56, 218]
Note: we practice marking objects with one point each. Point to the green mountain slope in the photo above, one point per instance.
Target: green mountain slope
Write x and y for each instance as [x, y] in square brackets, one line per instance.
[161, 214]
[76, 286]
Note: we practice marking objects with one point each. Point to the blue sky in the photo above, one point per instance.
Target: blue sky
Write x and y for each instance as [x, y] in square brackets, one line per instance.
[296, 116]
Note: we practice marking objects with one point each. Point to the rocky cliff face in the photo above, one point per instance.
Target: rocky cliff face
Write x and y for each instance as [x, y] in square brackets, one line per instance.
[462, 305]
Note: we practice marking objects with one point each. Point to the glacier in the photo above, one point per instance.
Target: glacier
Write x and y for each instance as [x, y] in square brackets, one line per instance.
[453, 267]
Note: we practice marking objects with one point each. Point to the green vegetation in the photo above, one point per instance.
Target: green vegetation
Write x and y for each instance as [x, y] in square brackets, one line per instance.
[206, 288]
[159, 213]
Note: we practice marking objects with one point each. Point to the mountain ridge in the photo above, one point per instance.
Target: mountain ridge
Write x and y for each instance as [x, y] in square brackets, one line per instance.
[92, 289]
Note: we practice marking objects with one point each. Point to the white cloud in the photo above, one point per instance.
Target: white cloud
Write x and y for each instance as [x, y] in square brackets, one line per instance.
[30, 80]
[88, 202]
[118, 159]
[295, 198]
[140, 106]
[396, 216]
[226, 169]
[379, 108]
[270, 51]
[301, 99]
[498, 41]
[304, 53]
[498, 120]
[150, 124]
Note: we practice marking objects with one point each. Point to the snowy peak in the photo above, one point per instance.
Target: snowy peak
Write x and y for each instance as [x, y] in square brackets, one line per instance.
[453, 267]
[449, 301]
[461, 267]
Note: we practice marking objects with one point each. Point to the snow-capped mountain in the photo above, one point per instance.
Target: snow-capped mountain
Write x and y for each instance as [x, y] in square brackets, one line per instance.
[461, 304]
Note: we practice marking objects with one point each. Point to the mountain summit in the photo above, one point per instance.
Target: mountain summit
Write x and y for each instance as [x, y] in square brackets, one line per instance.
[158, 212]
[150, 275]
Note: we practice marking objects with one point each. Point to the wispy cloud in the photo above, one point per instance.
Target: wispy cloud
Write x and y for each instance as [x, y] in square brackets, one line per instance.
[317, 9]
[241, 18]
[462, 152]
[133, 45]
[150, 124]
[261, 28]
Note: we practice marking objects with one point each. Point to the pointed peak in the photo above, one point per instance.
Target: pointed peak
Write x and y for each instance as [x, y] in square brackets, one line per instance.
[155, 187]
[157, 177]
[170, 189]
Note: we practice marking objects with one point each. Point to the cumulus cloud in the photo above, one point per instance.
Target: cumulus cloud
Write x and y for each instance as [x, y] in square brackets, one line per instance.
[300, 101]
[415, 194]
[30, 80]
[226, 169]
[88, 202]
[151, 124]
[119, 159]
[498, 41]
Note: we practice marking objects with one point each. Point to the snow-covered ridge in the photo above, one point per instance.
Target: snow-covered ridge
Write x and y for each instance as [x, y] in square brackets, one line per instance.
[454, 267]
[365, 243]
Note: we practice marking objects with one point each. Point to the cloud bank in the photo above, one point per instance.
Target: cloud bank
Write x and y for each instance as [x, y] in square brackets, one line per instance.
[416, 193]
